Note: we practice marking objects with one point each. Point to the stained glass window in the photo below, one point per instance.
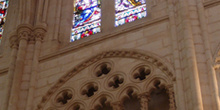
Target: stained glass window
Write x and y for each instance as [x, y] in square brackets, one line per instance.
[129, 10]
[3, 13]
[87, 19]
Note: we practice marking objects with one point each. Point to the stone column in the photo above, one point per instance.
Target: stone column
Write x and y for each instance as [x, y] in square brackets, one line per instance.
[117, 105]
[23, 35]
[144, 100]
[190, 62]
[14, 47]
[38, 35]
[208, 53]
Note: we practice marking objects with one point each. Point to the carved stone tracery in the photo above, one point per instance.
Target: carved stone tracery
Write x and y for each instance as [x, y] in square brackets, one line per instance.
[111, 54]
[144, 100]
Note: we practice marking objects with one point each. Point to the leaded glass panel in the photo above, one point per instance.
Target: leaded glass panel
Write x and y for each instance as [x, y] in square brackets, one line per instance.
[3, 13]
[129, 10]
[87, 18]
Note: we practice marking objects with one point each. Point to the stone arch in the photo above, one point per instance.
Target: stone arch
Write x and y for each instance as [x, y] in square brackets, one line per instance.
[130, 87]
[151, 82]
[155, 60]
[97, 100]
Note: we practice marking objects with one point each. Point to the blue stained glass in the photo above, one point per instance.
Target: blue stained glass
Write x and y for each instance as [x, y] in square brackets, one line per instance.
[87, 19]
[3, 13]
[129, 10]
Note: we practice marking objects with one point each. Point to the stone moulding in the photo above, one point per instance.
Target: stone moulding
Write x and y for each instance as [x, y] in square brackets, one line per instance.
[77, 45]
[150, 58]
[3, 71]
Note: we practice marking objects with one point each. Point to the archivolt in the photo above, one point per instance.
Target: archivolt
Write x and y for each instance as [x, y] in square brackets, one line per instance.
[146, 56]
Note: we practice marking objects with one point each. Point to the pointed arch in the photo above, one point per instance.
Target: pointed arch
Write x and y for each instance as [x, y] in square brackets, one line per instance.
[153, 59]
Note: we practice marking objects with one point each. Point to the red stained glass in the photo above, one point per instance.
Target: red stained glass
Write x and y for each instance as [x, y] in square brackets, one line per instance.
[87, 19]
[3, 13]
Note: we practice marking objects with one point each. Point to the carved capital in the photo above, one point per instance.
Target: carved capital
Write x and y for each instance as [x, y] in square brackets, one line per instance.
[38, 36]
[24, 35]
[13, 41]
[24, 32]
[117, 105]
[39, 32]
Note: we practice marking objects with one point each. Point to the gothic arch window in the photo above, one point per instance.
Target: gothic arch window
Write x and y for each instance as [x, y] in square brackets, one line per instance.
[129, 10]
[87, 18]
[3, 13]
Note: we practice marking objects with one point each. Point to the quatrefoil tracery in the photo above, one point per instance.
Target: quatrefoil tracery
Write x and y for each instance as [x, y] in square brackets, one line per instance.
[90, 90]
[141, 73]
[103, 69]
[64, 97]
[116, 81]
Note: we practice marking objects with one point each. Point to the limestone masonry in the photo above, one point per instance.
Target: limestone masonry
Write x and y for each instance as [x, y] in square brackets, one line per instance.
[168, 60]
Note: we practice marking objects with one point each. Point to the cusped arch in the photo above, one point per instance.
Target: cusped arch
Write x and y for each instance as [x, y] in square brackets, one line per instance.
[97, 100]
[153, 59]
[150, 84]
[124, 92]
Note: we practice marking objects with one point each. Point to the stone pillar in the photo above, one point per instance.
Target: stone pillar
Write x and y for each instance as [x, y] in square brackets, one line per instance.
[208, 53]
[176, 56]
[14, 47]
[189, 61]
[23, 35]
[144, 100]
[38, 35]
[117, 105]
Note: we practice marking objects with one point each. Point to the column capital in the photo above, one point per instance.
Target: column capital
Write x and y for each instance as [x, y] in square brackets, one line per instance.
[13, 39]
[39, 32]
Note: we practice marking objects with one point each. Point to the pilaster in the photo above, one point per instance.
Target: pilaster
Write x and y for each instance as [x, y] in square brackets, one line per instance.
[14, 49]
[208, 54]
[189, 61]
[38, 33]
[24, 33]
[180, 101]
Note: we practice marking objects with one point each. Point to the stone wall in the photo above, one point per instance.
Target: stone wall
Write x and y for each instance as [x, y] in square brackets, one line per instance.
[184, 34]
